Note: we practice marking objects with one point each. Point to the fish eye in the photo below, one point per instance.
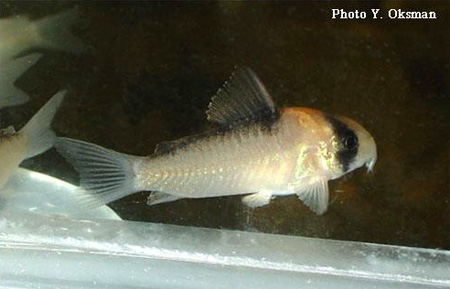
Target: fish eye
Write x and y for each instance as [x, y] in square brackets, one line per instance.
[351, 142]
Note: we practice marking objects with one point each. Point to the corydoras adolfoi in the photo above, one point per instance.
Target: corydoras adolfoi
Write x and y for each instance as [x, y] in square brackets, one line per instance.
[257, 149]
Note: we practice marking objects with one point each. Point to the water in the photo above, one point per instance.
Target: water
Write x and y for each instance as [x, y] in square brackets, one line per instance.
[154, 67]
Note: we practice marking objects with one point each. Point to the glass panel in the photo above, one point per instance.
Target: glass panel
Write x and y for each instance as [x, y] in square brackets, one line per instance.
[118, 254]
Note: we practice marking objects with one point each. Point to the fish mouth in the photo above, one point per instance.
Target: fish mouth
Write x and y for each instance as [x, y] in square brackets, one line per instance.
[370, 164]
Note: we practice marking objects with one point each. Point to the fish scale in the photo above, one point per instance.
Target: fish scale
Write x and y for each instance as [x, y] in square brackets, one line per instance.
[230, 162]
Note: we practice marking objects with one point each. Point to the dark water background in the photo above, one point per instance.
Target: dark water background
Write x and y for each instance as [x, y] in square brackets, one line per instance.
[154, 66]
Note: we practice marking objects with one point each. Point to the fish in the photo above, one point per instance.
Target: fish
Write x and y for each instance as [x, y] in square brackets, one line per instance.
[9, 72]
[19, 35]
[33, 139]
[256, 149]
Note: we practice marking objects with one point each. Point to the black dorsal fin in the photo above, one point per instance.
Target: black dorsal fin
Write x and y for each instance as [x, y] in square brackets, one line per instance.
[243, 97]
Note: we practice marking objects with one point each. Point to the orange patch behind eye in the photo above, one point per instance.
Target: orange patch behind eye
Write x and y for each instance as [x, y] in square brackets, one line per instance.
[305, 116]
[301, 110]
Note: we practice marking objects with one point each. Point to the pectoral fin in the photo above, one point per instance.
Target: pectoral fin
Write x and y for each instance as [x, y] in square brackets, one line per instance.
[258, 199]
[158, 198]
[315, 196]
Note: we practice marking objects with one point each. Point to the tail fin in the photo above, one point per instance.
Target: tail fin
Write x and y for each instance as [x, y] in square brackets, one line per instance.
[106, 174]
[9, 73]
[54, 32]
[37, 131]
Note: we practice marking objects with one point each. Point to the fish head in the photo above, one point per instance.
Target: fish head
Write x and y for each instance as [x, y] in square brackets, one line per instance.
[356, 147]
[337, 144]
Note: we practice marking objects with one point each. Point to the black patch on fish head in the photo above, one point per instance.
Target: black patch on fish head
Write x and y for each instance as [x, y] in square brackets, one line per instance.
[348, 142]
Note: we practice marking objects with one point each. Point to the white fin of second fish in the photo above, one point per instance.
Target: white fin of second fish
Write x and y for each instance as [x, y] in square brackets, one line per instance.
[55, 32]
[9, 73]
[37, 131]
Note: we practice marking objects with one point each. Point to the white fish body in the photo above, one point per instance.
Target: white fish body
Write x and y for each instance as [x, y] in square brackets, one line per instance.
[34, 138]
[257, 149]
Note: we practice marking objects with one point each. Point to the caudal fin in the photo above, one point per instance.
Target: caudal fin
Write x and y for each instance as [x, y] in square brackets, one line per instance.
[107, 175]
[37, 131]
[55, 32]
[9, 72]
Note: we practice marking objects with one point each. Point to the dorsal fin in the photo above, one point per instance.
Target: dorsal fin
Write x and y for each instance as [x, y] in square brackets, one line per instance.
[243, 97]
